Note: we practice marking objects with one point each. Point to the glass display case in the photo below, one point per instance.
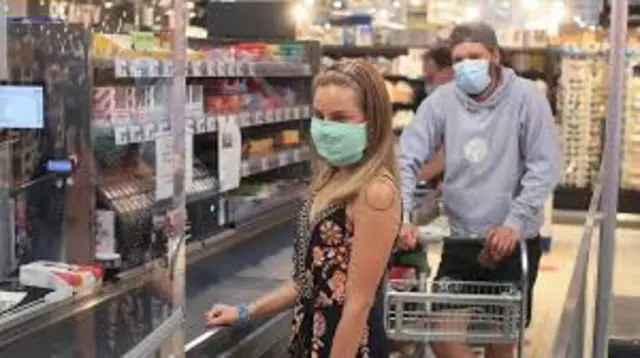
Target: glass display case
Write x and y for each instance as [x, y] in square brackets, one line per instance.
[93, 103]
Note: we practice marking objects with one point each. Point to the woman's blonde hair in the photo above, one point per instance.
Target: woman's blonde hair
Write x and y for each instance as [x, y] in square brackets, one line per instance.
[379, 156]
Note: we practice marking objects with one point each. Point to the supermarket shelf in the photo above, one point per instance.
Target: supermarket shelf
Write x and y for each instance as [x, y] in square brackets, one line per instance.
[158, 68]
[337, 51]
[147, 126]
[276, 160]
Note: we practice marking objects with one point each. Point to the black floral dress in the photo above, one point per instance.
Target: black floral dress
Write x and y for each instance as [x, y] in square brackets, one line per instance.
[321, 259]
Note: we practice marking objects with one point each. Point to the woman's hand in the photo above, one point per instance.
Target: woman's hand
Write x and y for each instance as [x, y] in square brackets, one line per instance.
[222, 315]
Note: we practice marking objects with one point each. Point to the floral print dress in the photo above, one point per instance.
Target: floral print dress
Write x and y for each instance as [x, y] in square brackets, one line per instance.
[321, 259]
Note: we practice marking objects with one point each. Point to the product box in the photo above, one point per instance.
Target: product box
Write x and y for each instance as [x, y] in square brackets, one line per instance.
[60, 276]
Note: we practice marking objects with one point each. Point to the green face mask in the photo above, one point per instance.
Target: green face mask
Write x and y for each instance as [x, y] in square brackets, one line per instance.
[340, 144]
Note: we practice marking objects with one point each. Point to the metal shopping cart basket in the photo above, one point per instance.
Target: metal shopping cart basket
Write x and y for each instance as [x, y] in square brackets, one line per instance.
[476, 313]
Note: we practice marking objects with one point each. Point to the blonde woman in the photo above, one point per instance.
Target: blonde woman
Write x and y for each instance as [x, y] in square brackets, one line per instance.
[347, 228]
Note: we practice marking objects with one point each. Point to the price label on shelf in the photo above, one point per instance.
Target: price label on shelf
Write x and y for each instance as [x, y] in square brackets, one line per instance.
[251, 69]
[278, 115]
[231, 69]
[244, 119]
[201, 125]
[121, 68]
[306, 111]
[166, 68]
[241, 69]
[212, 69]
[150, 130]
[212, 124]
[258, 117]
[190, 124]
[200, 68]
[121, 134]
[287, 113]
[221, 70]
[283, 158]
[154, 67]
[136, 133]
[295, 112]
[140, 68]
[296, 156]
[269, 116]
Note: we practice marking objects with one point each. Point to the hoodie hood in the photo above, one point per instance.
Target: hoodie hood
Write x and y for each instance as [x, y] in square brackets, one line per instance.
[500, 93]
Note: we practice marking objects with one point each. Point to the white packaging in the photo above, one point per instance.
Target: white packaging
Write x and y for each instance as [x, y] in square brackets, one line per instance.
[60, 276]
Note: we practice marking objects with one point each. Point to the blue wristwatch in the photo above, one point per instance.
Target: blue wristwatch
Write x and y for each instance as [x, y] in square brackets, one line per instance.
[244, 317]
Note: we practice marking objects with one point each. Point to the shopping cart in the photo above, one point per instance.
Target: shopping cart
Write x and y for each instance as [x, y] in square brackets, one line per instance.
[476, 313]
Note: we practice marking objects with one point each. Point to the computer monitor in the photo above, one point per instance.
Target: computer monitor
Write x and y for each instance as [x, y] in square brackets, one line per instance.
[21, 107]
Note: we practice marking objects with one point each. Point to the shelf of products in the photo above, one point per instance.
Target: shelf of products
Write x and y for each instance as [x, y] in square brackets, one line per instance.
[581, 108]
[630, 173]
[247, 105]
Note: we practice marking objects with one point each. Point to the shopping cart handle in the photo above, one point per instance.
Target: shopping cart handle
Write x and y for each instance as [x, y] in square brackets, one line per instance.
[426, 239]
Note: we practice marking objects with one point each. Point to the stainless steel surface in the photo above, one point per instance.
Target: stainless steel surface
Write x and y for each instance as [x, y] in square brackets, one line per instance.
[150, 344]
[575, 217]
[611, 164]
[570, 336]
[260, 341]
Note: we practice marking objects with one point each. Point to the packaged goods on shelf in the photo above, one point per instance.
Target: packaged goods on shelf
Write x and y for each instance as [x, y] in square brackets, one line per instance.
[232, 89]
[630, 171]
[581, 108]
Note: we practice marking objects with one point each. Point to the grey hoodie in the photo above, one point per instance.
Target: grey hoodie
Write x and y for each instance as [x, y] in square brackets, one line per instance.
[500, 155]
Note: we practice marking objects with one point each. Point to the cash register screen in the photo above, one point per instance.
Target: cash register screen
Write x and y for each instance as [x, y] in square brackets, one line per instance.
[21, 107]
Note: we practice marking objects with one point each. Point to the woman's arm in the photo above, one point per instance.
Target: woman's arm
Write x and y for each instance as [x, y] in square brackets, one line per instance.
[433, 167]
[274, 302]
[376, 218]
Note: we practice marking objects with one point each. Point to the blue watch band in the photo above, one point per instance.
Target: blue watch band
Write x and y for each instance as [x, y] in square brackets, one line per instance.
[244, 317]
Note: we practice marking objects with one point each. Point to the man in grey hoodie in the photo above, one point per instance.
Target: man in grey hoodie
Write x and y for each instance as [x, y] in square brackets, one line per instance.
[500, 158]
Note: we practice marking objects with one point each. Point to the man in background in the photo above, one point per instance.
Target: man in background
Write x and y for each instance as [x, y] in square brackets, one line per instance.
[437, 70]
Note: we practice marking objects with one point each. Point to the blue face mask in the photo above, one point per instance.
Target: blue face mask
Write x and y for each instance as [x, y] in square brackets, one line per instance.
[472, 76]
[429, 88]
[340, 144]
